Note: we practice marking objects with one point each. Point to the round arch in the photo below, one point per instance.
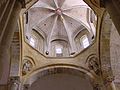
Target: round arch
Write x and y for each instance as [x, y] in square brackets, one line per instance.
[60, 69]
[106, 26]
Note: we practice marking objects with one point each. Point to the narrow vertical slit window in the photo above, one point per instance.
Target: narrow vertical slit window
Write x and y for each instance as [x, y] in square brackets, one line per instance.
[32, 42]
[58, 50]
[85, 41]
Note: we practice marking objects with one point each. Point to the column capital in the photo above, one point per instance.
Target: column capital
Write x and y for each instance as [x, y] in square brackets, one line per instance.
[14, 80]
[108, 80]
[14, 83]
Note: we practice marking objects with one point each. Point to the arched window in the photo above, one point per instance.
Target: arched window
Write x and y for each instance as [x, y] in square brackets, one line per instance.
[84, 40]
[32, 42]
[59, 50]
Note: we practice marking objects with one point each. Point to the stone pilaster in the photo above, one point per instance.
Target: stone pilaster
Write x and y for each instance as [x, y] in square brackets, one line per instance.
[9, 29]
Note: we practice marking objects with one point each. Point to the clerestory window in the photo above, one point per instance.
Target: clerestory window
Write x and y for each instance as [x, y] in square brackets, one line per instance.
[32, 42]
[84, 40]
[59, 51]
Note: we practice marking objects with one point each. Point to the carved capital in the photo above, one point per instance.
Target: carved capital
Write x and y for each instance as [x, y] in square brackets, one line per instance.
[108, 80]
[14, 80]
[14, 83]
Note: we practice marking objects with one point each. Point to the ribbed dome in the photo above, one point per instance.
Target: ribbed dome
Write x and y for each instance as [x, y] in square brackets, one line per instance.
[59, 19]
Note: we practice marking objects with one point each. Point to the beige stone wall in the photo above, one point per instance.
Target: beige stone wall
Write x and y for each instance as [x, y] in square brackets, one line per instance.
[42, 61]
[115, 54]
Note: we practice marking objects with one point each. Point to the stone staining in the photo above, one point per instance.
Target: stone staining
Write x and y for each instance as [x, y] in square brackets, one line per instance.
[27, 66]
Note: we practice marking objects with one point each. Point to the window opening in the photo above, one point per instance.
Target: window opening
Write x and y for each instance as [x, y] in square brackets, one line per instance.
[59, 51]
[85, 41]
[32, 42]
